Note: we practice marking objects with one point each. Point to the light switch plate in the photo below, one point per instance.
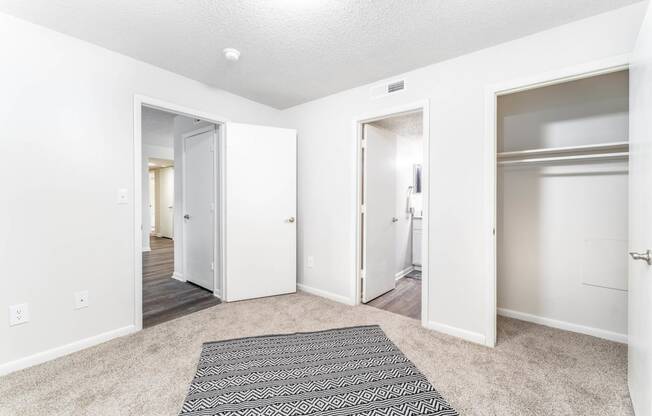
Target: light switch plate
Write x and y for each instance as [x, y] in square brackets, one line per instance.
[123, 196]
[18, 314]
[81, 299]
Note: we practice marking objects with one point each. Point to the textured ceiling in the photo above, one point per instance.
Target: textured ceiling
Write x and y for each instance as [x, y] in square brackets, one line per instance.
[157, 127]
[403, 125]
[294, 51]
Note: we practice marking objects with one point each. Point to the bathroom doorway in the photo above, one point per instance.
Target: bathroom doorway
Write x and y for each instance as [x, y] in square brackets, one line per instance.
[392, 192]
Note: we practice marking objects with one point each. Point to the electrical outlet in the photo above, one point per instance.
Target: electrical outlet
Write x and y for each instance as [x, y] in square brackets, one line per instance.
[81, 299]
[18, 314]
[310, 262]
[122, 196]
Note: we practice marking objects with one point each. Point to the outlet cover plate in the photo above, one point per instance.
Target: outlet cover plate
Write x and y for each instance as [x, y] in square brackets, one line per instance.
[18, 314]
[81, 299]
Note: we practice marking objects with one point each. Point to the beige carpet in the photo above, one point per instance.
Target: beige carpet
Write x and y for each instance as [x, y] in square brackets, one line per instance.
[534, 370]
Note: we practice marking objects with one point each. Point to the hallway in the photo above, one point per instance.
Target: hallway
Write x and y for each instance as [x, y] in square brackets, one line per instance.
[165, 298]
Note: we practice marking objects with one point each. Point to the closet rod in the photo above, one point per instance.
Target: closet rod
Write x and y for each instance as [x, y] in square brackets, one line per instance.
[602, 147]
[577, 158]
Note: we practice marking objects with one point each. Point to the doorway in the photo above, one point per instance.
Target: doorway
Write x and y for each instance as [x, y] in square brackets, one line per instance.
[393, 212]
[253, 209]
[179, 259]
[560, 192]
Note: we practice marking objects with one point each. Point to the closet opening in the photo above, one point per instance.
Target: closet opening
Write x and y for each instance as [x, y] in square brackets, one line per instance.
[391, 218]
[561, 226]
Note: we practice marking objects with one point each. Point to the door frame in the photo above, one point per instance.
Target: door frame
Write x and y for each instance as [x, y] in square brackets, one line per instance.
[216, 232]
[492, 92]
[358, 254]
[141, 101]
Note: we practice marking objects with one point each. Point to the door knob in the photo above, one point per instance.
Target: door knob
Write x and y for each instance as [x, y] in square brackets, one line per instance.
[291, 219]
[186, 216]
[394, 219]
[646, 257]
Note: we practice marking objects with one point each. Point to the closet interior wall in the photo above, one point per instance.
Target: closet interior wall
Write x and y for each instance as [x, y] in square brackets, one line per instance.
[562, 221]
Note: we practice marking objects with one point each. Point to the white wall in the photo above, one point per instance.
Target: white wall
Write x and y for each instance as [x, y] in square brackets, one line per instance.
[562, 229]
[458, 229]
[77, 100]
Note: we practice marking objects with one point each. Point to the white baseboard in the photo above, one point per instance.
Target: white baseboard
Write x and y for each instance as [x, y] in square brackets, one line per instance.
[457, 332]
[218, 294]
[324, 294]
[567, 326]
[178, 276]
[57, 352]
[403, 273]
[146, 248]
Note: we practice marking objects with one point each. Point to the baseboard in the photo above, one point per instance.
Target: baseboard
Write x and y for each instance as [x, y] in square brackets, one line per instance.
[566, 326]
[464, 334]
[324, 294]
[178, 276]
[146, 248]
[218, 294]
[57, 352]
[403, 273]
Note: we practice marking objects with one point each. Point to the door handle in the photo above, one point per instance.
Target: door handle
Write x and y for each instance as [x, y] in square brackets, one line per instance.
[291, 219]
[394, 219]
[186, 216]
[646, 257]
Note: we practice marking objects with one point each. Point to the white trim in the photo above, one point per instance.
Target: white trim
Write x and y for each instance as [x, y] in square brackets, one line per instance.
[139, 102]
[566, 326]
[403, 273]
[57, 352]
[324, 294]
[178, 276]
[474, 337]
[424, 107]
[586, 70]
[146, 249]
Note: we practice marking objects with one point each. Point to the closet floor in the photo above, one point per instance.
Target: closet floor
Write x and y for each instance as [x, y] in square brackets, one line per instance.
[165, 298]
[404, 300]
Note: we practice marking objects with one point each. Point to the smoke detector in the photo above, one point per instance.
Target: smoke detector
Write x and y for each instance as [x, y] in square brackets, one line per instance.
[231, 54]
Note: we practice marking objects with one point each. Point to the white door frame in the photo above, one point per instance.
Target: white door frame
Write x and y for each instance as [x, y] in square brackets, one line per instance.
[358, 123]
[141, 101]
[587, 70]
[216, 238]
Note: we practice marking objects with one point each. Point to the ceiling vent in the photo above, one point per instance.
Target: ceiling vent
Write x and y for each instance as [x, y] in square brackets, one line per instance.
[382, 90]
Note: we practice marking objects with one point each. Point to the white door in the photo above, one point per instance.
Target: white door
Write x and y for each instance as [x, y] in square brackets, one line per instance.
[260, 211]
[379, 234]
[198, 209]
[640, 225]
[166, 202]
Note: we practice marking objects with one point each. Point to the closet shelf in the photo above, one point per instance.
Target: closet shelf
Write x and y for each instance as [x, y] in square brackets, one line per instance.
[603, 151]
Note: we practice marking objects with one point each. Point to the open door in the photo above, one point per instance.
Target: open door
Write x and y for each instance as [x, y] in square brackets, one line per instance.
[260, 211]
[640, 225]
[379, 263]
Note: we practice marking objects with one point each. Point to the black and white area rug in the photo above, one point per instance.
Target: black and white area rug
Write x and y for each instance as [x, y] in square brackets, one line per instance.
[338, 372]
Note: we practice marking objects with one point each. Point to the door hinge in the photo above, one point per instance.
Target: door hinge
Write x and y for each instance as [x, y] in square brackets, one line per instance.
[212, 266]
[363, 209]
[363, 274]
[363, 143]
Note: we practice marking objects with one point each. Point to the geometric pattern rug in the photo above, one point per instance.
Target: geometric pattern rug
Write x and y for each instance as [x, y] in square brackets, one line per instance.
[337, 372]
